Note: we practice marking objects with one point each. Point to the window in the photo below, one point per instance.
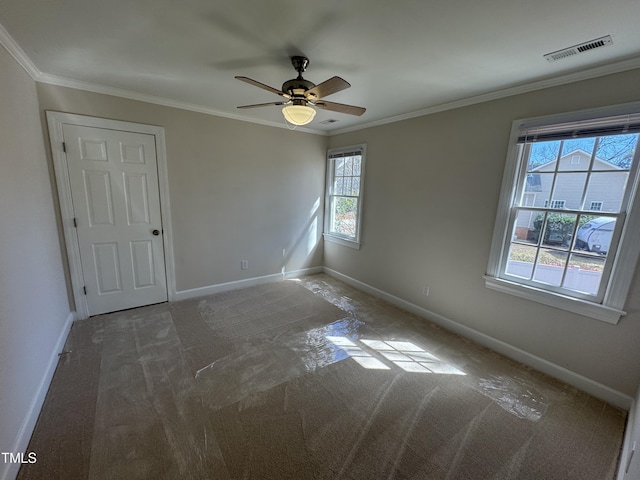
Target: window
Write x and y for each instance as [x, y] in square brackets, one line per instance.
[343, 212]
[574, 259]
[557, 204]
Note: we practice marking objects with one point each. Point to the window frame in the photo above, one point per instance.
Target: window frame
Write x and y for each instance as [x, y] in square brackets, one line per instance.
[610, 308]
[332, 236]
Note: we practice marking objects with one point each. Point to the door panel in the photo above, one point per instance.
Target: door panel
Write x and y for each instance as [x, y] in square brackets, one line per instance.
[142, 260]
[94, 150]
[97, 187]
[136, 198]
[114, 188]
[107, 265]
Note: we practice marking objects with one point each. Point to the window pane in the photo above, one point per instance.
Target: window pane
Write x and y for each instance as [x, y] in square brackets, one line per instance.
[527, 226]
[595, 235]
[558, 229]
[338, 186]
[347, 186]
[615, 152]
[355, 186]
[542, 153]
[533, 183]
[584, 273]
[608, 188]
[345, 215]
[348, 166]
[521, 259]
[339, 166]
[357, 166]
[550, 266]
[568, 188]
[576, 154]
[537, 189]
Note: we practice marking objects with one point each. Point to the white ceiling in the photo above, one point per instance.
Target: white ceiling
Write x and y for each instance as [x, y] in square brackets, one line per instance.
[401, 57]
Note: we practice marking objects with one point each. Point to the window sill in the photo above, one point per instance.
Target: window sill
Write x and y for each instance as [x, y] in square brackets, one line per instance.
[574, 305]
[341, 241]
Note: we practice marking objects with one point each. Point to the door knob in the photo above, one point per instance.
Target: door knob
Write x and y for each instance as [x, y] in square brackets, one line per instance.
[156, 232]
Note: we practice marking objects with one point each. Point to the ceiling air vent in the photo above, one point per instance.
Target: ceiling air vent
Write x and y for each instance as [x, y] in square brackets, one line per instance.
[580, 48]
[327, 122]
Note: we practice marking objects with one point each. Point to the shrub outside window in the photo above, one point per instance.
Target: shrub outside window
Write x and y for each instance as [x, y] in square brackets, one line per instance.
[564, 230]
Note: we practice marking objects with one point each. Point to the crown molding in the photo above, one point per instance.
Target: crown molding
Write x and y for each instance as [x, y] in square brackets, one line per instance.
[16, 52]
[21, 57]
[600, 71]
[166, 102]
[25, 62]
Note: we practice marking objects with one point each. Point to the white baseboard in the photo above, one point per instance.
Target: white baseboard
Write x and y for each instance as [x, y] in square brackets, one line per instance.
[627, 444]
[29, 422]
[583, 383]
[248, 282]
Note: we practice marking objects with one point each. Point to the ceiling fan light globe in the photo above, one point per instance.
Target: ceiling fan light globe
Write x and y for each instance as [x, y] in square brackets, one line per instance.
[298, 114]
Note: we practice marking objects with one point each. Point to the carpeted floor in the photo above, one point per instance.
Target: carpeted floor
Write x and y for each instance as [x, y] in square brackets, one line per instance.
[306, 379]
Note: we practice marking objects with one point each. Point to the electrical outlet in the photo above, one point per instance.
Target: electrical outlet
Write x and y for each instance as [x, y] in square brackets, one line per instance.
[425, 290]
[244, 264]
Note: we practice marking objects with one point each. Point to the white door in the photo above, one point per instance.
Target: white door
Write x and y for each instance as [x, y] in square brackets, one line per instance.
[116, 202]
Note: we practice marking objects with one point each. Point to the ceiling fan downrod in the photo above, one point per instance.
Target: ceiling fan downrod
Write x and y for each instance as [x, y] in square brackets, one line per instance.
[297, 86]
[300, 64]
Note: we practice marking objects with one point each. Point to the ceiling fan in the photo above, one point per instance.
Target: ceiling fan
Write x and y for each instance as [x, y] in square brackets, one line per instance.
[302, 95]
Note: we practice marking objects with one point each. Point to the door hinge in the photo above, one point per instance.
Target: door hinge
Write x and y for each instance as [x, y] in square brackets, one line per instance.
[75, 222]
[85, 290]
[64, 147]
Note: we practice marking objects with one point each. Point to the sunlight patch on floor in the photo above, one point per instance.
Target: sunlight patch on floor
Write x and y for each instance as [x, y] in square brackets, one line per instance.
[405, 355]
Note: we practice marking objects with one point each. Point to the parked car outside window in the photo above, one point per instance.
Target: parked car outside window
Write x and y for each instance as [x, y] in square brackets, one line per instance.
[595, 235]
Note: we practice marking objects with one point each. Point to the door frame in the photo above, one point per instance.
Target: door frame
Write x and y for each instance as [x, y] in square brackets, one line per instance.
[55, 121]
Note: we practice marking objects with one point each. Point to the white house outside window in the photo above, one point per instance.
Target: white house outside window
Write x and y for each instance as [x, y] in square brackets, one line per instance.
[345, 173]
[565, 212]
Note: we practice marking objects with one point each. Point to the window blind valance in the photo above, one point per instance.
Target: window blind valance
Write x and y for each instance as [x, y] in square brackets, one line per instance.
[354, 153]
[617, 125]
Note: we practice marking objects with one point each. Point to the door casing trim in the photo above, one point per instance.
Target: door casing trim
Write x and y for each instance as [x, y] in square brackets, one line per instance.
[55, 121]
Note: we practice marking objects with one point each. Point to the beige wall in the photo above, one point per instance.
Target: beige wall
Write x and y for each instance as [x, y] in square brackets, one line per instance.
[33, 301]
[245, 191]
[238, 191]
[430, 197]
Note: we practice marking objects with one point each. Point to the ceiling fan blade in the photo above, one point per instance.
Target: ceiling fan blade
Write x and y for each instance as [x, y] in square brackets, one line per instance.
[328, 87]
[263, 105]
[340, 107]
[251, 81]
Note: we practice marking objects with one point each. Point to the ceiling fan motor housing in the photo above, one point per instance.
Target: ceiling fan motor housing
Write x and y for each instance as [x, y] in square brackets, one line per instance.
[290, 86]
